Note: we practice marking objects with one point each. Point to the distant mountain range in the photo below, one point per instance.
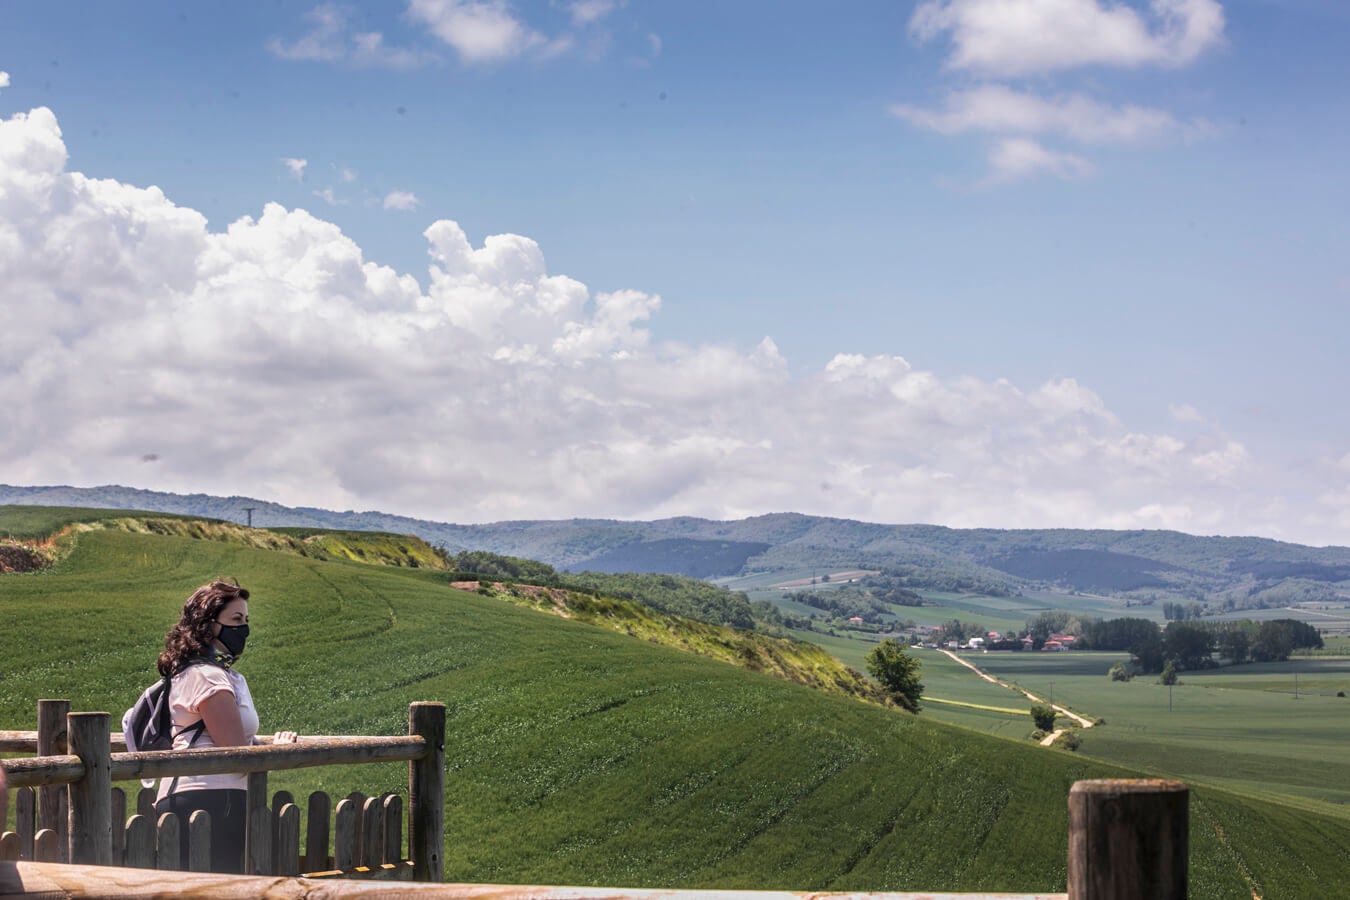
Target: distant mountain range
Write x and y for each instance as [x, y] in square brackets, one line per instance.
[1240, 571]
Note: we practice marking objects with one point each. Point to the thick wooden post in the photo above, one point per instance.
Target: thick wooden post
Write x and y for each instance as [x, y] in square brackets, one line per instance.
[51, 742]
[90, 823]
[258, 834]
[1128, 840]
[426, 793]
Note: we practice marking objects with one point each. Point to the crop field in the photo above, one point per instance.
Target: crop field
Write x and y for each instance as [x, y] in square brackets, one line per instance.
[576, 755]
[1323, 616]
[1242, 727]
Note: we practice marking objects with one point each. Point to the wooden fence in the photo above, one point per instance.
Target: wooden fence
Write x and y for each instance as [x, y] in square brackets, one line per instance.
[67, 811]
[1127, 838]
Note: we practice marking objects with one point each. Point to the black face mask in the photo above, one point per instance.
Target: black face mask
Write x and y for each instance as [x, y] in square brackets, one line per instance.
[233, 637]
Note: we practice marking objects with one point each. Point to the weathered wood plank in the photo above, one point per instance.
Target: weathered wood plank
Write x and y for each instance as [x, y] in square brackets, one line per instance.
[118, 814]
[25, 820]
[316, 832]
[145, 802]
[263, 758]
[47, 845]
[90, 824]
[59, 769]
[372, 832]
[18, 741]
[1128, 839]
[258, 834]
[9, 846]
[345, 837]
[426, 792]
[168, 842]
[199, 841]
[286, 841]
[43, 770]
[140, 852]
[51, 741]
[393, 829]
[89, 881]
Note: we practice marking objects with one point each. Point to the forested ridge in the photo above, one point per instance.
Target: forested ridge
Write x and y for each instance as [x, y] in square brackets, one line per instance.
[1225, 573]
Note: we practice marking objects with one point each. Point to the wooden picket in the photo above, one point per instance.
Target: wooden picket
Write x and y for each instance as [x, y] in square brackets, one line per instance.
[365, 834]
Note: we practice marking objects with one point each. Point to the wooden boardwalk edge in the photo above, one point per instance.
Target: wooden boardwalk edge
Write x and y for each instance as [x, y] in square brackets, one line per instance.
[58, 881]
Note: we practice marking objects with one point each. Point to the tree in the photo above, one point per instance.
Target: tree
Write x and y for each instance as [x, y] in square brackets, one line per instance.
[1273, 643]
[1120, 673]
[1169, 673]
[1235, 643]
[1188, 645]
[897, 672]
[1043, 716]
[1148, 654]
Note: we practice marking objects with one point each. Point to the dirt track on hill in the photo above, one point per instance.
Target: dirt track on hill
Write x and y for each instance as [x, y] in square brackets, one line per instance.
[1050, 739]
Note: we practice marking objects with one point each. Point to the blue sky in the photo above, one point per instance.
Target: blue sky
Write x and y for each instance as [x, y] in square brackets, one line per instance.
[974, 262]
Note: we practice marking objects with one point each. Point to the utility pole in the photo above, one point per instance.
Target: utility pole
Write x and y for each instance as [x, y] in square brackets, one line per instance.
[249, 510]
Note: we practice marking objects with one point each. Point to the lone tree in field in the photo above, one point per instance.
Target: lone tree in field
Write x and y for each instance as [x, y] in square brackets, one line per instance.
[1043, 716]
[898, 673]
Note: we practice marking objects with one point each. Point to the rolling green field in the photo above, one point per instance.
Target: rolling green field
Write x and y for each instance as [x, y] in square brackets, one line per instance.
[1241, 727]
[577, 755]
[994, 613]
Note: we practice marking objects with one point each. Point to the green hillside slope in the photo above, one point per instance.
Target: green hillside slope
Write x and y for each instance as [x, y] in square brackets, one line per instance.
[580, 755]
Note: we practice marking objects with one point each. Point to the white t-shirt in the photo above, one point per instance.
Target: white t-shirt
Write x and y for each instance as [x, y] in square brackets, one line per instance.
[186, 692]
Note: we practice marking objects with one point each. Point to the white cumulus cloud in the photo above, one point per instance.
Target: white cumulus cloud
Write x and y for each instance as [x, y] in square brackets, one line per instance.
[332, 38]
[1001, 109]
[4, 79]
[272, 359]
[480, 31]
[1017, 158]
[1026, 37]
[588, 12]
[1010, 40]
[405, 200]
[295, 166]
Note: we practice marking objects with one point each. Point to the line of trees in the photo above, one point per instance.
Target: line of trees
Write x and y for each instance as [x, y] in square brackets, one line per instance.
[1186, 643]
[1193, 645]
[844, 603]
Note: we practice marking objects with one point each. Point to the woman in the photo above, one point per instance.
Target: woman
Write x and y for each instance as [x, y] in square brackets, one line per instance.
[211, 707]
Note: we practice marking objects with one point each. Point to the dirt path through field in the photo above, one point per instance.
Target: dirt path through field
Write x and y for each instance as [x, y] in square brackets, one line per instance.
[1086, 723]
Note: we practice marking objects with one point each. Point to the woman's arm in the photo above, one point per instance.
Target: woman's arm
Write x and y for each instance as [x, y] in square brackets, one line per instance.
[222, 720]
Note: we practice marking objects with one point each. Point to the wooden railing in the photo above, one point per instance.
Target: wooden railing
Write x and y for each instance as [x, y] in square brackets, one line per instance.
[75, 814]
[1127, 838]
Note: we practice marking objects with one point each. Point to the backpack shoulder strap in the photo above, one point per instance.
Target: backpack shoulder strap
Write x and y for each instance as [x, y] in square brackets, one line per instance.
[196, 727]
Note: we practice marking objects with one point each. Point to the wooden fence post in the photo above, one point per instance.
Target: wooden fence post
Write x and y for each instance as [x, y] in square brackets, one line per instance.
[90, 799]
[426, 793]
[258, 836]
[51, 741]
[1128, 839]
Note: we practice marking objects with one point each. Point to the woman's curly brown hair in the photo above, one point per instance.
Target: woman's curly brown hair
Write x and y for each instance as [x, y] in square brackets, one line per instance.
[192, 636]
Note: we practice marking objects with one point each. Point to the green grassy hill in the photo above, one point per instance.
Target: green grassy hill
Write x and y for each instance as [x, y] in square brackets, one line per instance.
[580, 755]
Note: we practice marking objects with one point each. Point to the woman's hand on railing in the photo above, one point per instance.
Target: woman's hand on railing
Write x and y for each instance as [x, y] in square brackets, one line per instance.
[285, 737]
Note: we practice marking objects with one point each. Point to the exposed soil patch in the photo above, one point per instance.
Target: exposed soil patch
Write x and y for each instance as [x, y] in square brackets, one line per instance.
[18, 558]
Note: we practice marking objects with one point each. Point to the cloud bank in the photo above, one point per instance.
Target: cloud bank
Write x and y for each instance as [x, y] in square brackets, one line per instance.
[272, 359]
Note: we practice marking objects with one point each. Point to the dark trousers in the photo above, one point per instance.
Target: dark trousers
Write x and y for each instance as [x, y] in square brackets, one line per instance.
[228, 810]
